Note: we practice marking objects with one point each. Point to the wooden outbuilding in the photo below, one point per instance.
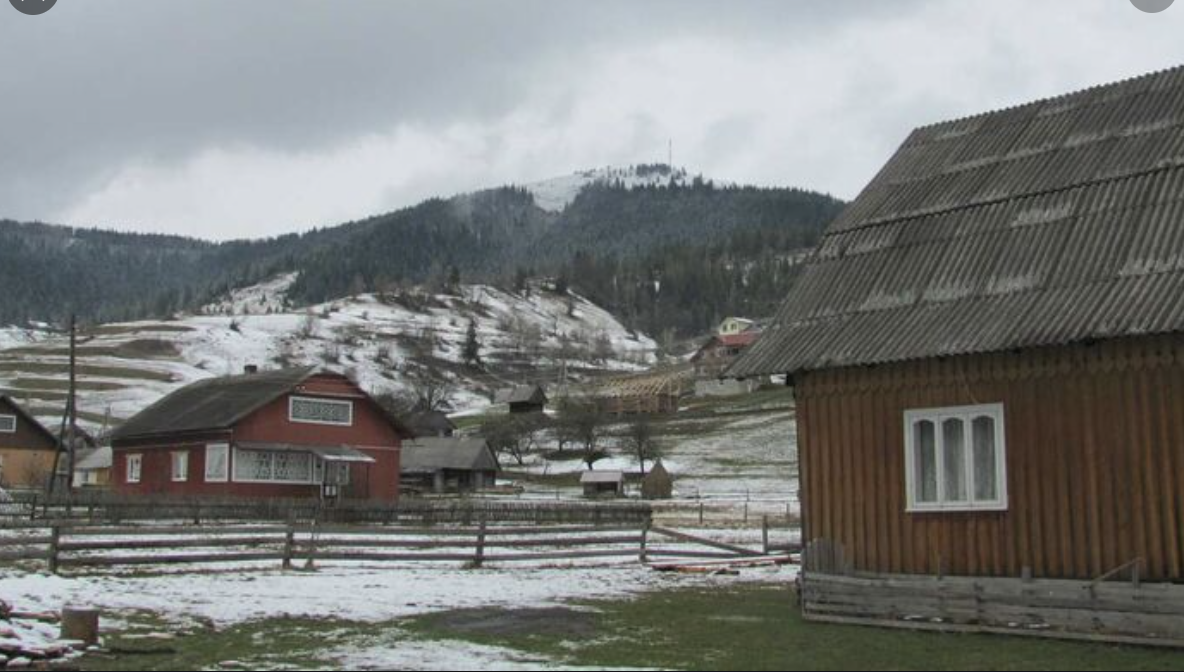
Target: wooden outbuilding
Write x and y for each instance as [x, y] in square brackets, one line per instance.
[987, 352]
[284, 433]
[523, 398]
[27, 448]
[603, 484]
[449, 464]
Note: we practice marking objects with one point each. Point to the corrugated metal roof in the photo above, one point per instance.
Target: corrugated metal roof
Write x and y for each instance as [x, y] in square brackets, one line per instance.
[433, 453]
[216, 403]
[602, 477]
[1050, 223]
[521, 394]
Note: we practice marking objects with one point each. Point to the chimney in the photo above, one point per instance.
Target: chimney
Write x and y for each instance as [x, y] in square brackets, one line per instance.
[250, 369]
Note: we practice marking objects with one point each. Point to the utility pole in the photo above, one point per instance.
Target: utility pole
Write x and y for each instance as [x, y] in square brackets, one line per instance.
[66, 432]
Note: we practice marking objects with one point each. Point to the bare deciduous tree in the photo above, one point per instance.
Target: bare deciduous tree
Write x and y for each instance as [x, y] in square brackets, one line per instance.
[640, 440]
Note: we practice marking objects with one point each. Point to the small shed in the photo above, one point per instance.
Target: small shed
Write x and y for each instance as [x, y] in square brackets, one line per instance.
[523, 398]
[658, 484]
[603, 484]
[449, 464]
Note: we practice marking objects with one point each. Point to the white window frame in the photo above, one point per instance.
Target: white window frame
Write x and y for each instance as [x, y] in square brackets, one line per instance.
[223, 477]
[311, 480]
[967, 414]
[10, 424]
[320, 400]
[134, 467]
[179, 458]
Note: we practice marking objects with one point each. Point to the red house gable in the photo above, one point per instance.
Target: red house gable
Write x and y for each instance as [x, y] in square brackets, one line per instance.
[288, 433]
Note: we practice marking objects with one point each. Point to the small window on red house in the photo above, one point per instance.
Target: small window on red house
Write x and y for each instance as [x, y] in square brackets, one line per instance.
[180, 466]
[7, 424]
[134, 465]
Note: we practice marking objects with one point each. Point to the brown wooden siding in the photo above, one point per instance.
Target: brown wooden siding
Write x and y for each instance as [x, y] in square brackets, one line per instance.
[1095, 462]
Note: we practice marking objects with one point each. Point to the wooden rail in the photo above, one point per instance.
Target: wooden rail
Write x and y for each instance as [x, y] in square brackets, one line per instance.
[114, 546]
[114, 508]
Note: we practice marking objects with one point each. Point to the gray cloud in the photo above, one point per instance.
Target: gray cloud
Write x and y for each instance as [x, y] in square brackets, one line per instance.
[224, 118]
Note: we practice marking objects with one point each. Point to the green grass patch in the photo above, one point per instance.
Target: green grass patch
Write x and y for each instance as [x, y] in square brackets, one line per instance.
[759, 628]
[283, 643]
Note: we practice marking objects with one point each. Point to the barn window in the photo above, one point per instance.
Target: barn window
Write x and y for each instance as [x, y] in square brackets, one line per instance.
[321, 411]
[134, 467]
[180, 466]
[7, 424]
[955, 459]
[217, 463]
[272, 466]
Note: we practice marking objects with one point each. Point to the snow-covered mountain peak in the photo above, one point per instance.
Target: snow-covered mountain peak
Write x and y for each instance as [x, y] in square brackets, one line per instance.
[557, 193]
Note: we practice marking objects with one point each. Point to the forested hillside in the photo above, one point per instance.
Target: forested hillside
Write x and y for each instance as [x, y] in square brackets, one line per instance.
[671, 256]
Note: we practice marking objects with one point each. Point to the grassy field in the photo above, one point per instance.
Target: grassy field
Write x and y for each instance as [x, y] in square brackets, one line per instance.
[754, 627]
[759, 628]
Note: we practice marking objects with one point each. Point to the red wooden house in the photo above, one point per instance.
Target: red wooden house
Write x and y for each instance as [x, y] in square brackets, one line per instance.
[285, 433]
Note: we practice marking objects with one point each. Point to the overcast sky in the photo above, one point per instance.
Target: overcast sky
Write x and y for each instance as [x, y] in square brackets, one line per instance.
[233, 118]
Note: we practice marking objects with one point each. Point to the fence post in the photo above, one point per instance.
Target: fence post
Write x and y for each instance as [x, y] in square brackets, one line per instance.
[480, 558]
[289, 542]
[312, 544]
[700, 512]
[765, 534]
[33, 508]
[55, 535]
[643, 554]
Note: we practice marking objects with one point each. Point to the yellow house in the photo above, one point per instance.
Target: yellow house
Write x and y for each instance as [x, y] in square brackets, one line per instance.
[735, 325]
[26, 448]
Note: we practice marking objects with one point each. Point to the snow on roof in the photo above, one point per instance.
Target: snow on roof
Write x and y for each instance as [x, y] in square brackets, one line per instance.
[602, 477]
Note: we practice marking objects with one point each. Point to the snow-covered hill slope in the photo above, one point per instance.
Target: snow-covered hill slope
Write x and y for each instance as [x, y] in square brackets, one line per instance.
[557, 193]
[383, 341]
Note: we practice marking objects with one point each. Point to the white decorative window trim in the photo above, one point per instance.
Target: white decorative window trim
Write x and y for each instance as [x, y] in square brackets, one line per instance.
[179, 461]
[7, 424]
[134, 467]
[261, 466]
[958, 442]
[217, 464]
[300, 410]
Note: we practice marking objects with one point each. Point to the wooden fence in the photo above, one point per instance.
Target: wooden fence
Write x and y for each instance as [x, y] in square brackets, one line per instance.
[105, 507]
[83, 547]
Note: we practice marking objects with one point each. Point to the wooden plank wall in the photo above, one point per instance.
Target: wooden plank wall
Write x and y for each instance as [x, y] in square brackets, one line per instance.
[1132, 613]
[1095, 462]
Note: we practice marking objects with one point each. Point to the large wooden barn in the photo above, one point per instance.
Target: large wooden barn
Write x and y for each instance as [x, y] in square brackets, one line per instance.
[285, 433]
[987, 350]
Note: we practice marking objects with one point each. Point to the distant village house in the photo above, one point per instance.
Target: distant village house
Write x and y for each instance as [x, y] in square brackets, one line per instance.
[285, 433]
[27, 448]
